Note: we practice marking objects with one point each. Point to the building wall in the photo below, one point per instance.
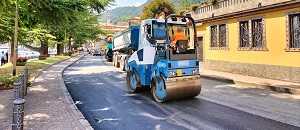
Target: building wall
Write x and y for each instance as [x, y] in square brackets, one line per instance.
[273, 63]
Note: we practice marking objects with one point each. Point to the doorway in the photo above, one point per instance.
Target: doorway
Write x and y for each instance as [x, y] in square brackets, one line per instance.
[200, 48]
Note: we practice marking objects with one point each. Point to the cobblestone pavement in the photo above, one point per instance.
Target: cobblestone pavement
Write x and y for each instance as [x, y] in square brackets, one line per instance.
[48, 104]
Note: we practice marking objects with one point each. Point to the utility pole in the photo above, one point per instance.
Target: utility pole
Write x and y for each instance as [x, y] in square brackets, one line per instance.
[16, 39]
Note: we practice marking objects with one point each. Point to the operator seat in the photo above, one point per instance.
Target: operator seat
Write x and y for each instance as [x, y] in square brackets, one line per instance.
[181, 46]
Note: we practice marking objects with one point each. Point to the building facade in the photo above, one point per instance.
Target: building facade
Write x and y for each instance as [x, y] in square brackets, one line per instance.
[258, 38]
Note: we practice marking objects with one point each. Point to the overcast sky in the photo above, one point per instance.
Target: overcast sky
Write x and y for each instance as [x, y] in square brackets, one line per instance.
[122, 3]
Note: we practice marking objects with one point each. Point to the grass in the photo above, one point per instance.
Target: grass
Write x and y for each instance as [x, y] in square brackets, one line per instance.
[34, 66]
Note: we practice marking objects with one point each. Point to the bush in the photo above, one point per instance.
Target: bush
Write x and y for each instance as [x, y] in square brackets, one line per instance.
[213, 2]
[22, 59]
[195, 6]
[181, 12]
[75, 51]
[42, 57]
[70, 53]
[7, 81]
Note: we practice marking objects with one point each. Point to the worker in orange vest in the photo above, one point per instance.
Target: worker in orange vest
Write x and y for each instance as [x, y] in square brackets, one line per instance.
[178, 36]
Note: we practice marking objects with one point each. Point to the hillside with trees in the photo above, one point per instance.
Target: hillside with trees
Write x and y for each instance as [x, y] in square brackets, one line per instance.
[121, 14]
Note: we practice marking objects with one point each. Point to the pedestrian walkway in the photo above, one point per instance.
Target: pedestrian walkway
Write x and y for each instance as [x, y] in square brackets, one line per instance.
[48, 104]
[252, 82]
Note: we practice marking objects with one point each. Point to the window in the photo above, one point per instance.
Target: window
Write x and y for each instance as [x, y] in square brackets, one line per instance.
[252, 34]
[219, 36]
[244, 34]
[257, 33]
[214, 36]
[222, 35]
[293, 31]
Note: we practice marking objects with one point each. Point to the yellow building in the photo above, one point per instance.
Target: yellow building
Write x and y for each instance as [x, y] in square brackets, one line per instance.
[251, 37]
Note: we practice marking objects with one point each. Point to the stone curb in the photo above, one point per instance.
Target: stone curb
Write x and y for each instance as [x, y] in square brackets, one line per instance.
[70, 101]
[219, 78]
[276, 88]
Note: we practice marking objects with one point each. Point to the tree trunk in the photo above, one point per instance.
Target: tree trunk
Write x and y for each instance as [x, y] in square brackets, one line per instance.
[70, 43]
[44, 48]
[60, 49]
[12, 49]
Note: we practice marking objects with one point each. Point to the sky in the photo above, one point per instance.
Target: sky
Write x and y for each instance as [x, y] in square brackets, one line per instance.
[122, 3]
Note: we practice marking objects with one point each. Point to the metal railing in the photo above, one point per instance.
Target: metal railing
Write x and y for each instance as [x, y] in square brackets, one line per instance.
[218, 5]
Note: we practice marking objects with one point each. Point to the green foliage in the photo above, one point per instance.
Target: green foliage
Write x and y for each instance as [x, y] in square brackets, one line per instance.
[7, 81]
[213, 2]
[121, 19]
[157, 7]
[195, 6]
[184, 4]
[51, 21]
[180, 11]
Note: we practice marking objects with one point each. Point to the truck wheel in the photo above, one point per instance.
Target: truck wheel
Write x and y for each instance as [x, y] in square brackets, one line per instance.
[122, 64]
[158, 89]
[117, 63]
[114, 61]
[131, 80]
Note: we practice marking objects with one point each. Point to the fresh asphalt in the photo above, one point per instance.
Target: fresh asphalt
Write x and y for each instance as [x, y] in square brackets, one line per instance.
[100, 92]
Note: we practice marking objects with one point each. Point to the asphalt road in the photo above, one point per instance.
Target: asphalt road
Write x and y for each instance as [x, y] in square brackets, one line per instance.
[99, 91]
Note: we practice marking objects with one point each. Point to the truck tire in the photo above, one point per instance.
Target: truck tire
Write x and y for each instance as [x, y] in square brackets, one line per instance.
[114, 60]
[122, 64]
[117, 63]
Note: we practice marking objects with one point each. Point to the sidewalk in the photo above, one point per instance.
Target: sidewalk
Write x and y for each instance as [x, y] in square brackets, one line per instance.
[48, 103]
[252, 82]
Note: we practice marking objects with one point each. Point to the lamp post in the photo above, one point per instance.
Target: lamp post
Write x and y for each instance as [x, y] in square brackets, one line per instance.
[16, 39]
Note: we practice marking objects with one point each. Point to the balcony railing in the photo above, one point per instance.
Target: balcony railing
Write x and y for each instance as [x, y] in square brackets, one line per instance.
[220, 4]
[230, 6]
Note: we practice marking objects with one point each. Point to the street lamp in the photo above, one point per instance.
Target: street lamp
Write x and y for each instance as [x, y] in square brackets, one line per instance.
[16, 39]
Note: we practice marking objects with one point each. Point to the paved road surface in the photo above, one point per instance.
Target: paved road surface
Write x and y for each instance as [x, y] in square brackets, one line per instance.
[100, 92]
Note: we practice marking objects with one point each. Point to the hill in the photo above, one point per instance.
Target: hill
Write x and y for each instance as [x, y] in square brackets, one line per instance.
[121, 14]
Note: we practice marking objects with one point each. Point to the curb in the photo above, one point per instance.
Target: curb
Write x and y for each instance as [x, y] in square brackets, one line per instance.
[67, 95]
[218, 78]
[249, 84]
[70, 101]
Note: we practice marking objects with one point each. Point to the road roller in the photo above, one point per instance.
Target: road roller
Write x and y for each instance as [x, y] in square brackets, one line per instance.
[170, 68]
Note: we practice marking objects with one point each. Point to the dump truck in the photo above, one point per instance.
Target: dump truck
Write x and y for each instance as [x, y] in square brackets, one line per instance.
[151, 60]
[124, 44]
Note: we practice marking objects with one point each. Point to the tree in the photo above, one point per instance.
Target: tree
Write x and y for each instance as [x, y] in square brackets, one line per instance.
[186, 3]
[62, 17]
[156, 7]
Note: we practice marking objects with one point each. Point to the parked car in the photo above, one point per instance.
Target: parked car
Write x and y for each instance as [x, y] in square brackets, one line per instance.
[96, 52]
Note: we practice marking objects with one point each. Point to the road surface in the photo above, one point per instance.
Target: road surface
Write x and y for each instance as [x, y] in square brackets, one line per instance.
[99, 91]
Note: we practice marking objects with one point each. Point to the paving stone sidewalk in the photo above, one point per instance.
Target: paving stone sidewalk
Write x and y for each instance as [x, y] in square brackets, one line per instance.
[48, 104]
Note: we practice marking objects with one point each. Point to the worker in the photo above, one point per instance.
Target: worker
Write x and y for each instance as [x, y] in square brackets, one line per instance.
[178, 36]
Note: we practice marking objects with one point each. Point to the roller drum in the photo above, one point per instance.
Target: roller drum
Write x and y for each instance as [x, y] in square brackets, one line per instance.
[177, 88]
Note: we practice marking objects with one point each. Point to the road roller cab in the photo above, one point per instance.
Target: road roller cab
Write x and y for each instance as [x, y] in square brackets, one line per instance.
[170, 69]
